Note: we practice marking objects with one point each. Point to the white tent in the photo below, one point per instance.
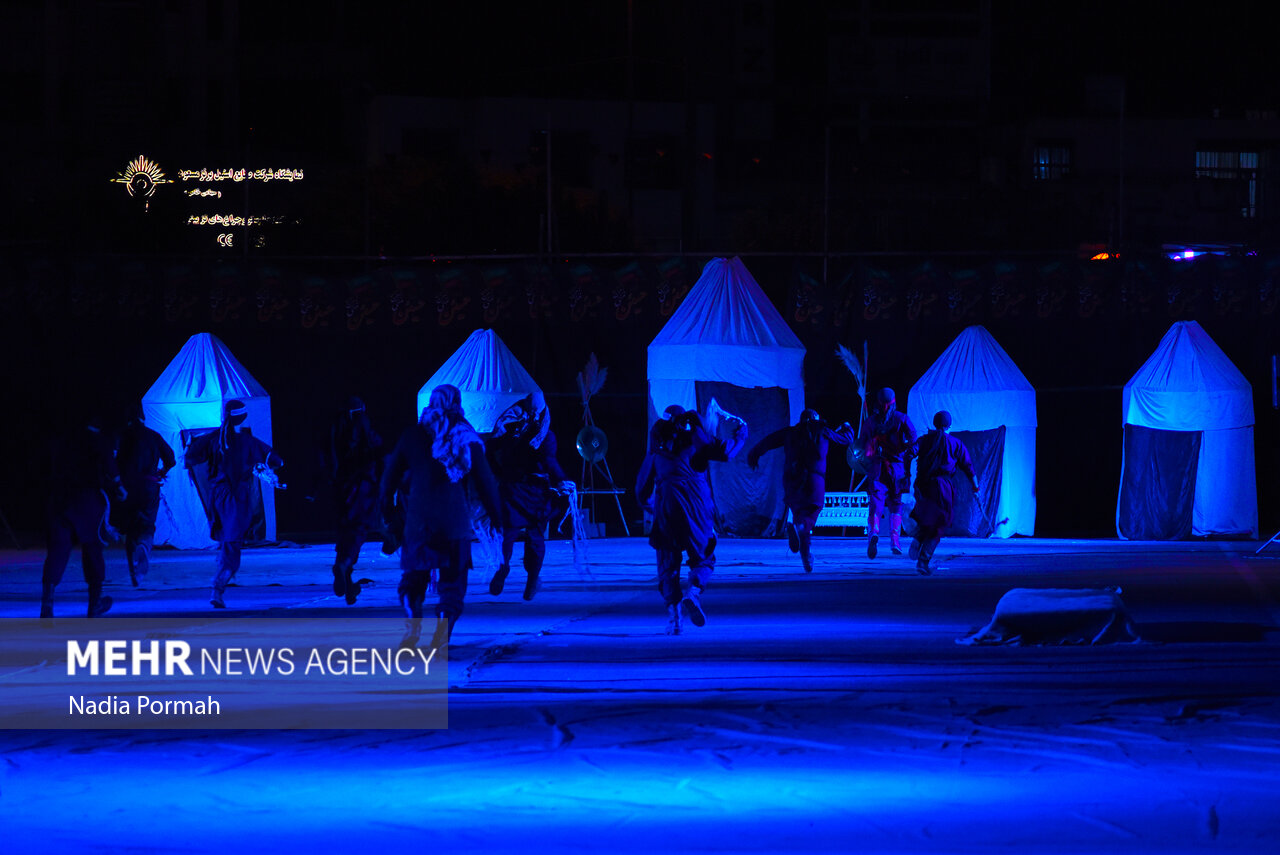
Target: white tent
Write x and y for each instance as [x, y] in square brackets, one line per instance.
[488, 375]
[976, 381]
[1188, 465]
[728, 341]
[187, 398]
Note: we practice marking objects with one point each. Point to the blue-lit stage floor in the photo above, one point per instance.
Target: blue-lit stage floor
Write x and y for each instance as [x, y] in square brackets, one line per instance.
[831, 712]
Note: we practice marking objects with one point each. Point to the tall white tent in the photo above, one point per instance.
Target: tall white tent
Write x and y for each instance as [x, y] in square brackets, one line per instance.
[188, 397]
[1188, 421]
[975, 380]
[728, 341]
[488, 375]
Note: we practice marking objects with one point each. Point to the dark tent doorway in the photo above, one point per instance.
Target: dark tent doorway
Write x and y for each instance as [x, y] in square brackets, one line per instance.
[745, 499]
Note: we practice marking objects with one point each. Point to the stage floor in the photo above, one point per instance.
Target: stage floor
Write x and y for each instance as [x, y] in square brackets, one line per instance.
[823, 712]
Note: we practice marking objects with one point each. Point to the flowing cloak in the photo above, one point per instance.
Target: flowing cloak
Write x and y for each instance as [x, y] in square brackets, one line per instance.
[356, 470]
[941, 455]
[437, 511]
[683, 508]
[525, 476]
[228, 500]
[804, 474]
[142, 456]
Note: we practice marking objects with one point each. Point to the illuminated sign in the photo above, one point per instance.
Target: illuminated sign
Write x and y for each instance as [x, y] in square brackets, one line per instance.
[143, 175]
[233, 220]
[239, 175]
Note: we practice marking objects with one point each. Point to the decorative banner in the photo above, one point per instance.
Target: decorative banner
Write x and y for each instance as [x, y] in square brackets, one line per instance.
[640, 293]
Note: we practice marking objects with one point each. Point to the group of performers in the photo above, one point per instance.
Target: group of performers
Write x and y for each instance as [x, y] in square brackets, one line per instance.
[442, 476]
[674, 485]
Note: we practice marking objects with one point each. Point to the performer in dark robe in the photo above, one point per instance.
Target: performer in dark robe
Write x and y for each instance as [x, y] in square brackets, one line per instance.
[887, 444]
[675, 474]
[663, 423]
[522, 455]
[82, 476]
[231, 457]
[940, 457]
[355, 453]
[434, 469]
[804, 475]
[144, 460]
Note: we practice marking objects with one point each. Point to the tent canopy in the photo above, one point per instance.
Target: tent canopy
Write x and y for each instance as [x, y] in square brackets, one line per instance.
[187, 397]
[1188, 462]
[728, 341]
[489, 376]
[975, 380]
[726, 330]
[1188, 384]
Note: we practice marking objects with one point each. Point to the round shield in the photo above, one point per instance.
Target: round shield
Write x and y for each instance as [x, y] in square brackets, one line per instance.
[592, 443]
[858, 461]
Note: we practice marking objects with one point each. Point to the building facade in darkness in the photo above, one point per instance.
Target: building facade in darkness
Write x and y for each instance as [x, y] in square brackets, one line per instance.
[723, 126]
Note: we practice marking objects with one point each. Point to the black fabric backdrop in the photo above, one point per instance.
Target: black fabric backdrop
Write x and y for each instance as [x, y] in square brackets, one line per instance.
[749, 504]
[1157, 484]
[975, 515]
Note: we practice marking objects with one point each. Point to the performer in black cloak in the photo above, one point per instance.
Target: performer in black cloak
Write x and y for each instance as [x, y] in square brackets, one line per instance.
[522, 454]
[675, 474]
[83, 475]
[941, 455]
[144, 460]
[804, 476]
[356, 454]
[231, 456]
[436, 466]
[887, 443]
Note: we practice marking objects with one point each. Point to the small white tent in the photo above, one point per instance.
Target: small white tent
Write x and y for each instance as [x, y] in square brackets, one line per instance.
[185, 400]
[975, 380]
[1188, 464]
[488, 375]
[727, 341]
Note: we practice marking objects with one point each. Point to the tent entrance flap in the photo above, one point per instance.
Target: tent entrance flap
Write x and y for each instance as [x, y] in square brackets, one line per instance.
[1157, 483]
[975, 515]
[748, 504]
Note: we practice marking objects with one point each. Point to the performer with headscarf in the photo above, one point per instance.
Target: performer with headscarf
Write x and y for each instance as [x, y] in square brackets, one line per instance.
[675, 474]
[522, 455]
[662, 424]
[940, 456]
[232, 457]
[804, 475]
[436, 466]
[82, 476]
[887, 444]
[355, 453]
[144, 460]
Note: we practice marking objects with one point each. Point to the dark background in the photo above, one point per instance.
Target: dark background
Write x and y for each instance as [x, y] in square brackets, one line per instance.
[871, 161]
